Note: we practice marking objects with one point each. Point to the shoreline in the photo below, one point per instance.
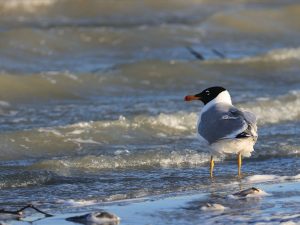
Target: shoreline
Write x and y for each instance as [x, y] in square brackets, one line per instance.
[278, 207]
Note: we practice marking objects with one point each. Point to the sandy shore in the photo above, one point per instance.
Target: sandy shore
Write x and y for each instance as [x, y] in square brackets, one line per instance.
[279, 205]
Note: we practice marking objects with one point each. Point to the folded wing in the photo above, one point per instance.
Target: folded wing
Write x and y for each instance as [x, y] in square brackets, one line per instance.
[224, 121]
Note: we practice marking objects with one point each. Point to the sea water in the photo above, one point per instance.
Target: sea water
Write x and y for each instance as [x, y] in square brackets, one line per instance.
[91, 95]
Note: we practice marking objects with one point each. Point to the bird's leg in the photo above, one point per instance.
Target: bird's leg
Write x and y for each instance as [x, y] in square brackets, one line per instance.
[212, 164]
[239, 159]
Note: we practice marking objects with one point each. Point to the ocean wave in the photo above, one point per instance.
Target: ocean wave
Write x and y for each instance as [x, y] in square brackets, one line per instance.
[89, 136]
[17, 180]
[143, 77]
[51, 85]
[274, 110]
[77, 203]
[149, 159]
[6, 109]
[283, 54]
[26, 5]
[253, 21]
[105, 13]
[271, 178]
[140, 77]
[272, 56]
[164, 128]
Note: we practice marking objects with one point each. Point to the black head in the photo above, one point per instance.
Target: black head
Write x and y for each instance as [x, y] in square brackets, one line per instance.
[206, 95]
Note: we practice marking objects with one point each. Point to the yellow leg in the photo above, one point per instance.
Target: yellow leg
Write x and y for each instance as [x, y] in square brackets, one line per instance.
[239, 159]
[212, 164]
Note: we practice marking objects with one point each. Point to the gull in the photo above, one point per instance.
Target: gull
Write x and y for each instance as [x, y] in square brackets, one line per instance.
[225, 128]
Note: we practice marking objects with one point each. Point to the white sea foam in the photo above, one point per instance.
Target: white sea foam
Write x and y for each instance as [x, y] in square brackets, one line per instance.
[275, 55]
[54, 77]
[282, 108]
[144, 159]
[116, 197]
[283, 54]
[5, 109]
[76, 132]
[84, 141]
[77, 203]
[139, 129]
[270, 177]
[122, 152]
[213, 207]
[50, 130]
[20, 119]
[162, 126]
[27, 5]
[4, 104]
[25, 180]
[81, 125]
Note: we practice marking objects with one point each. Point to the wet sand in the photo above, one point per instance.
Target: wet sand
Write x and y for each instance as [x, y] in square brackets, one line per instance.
[280, 205]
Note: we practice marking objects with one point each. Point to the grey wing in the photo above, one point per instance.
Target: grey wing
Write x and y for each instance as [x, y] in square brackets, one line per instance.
[250, 118]
[223, 122]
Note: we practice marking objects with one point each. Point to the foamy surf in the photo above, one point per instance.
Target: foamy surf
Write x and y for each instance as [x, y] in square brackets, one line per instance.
[282, 108]
[163, 128]
[77, 203]
[273, 56]
[149, 159]
[271, 178]
[215, 207]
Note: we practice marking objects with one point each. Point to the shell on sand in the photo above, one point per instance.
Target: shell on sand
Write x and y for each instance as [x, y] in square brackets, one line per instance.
[96, 218]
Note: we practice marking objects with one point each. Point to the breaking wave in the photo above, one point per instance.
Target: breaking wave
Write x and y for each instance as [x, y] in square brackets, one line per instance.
[250, 20]
[162, 129]
[149, 159]
[273, 56]
[275, 110]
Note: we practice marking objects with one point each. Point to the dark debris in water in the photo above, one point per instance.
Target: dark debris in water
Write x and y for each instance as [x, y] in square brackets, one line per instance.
[200, 56]
[19, 212]
[246, 192]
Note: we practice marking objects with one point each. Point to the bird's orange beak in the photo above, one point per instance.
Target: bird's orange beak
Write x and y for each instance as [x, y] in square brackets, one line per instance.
[191, 98]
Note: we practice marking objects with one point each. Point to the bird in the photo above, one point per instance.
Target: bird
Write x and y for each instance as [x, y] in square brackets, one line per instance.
[223, 127]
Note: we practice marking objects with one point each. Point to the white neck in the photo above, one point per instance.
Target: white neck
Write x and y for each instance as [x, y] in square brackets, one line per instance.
[223, 97]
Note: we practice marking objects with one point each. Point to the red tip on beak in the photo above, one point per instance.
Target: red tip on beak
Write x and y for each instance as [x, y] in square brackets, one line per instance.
[187, 98]
[191, 98]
